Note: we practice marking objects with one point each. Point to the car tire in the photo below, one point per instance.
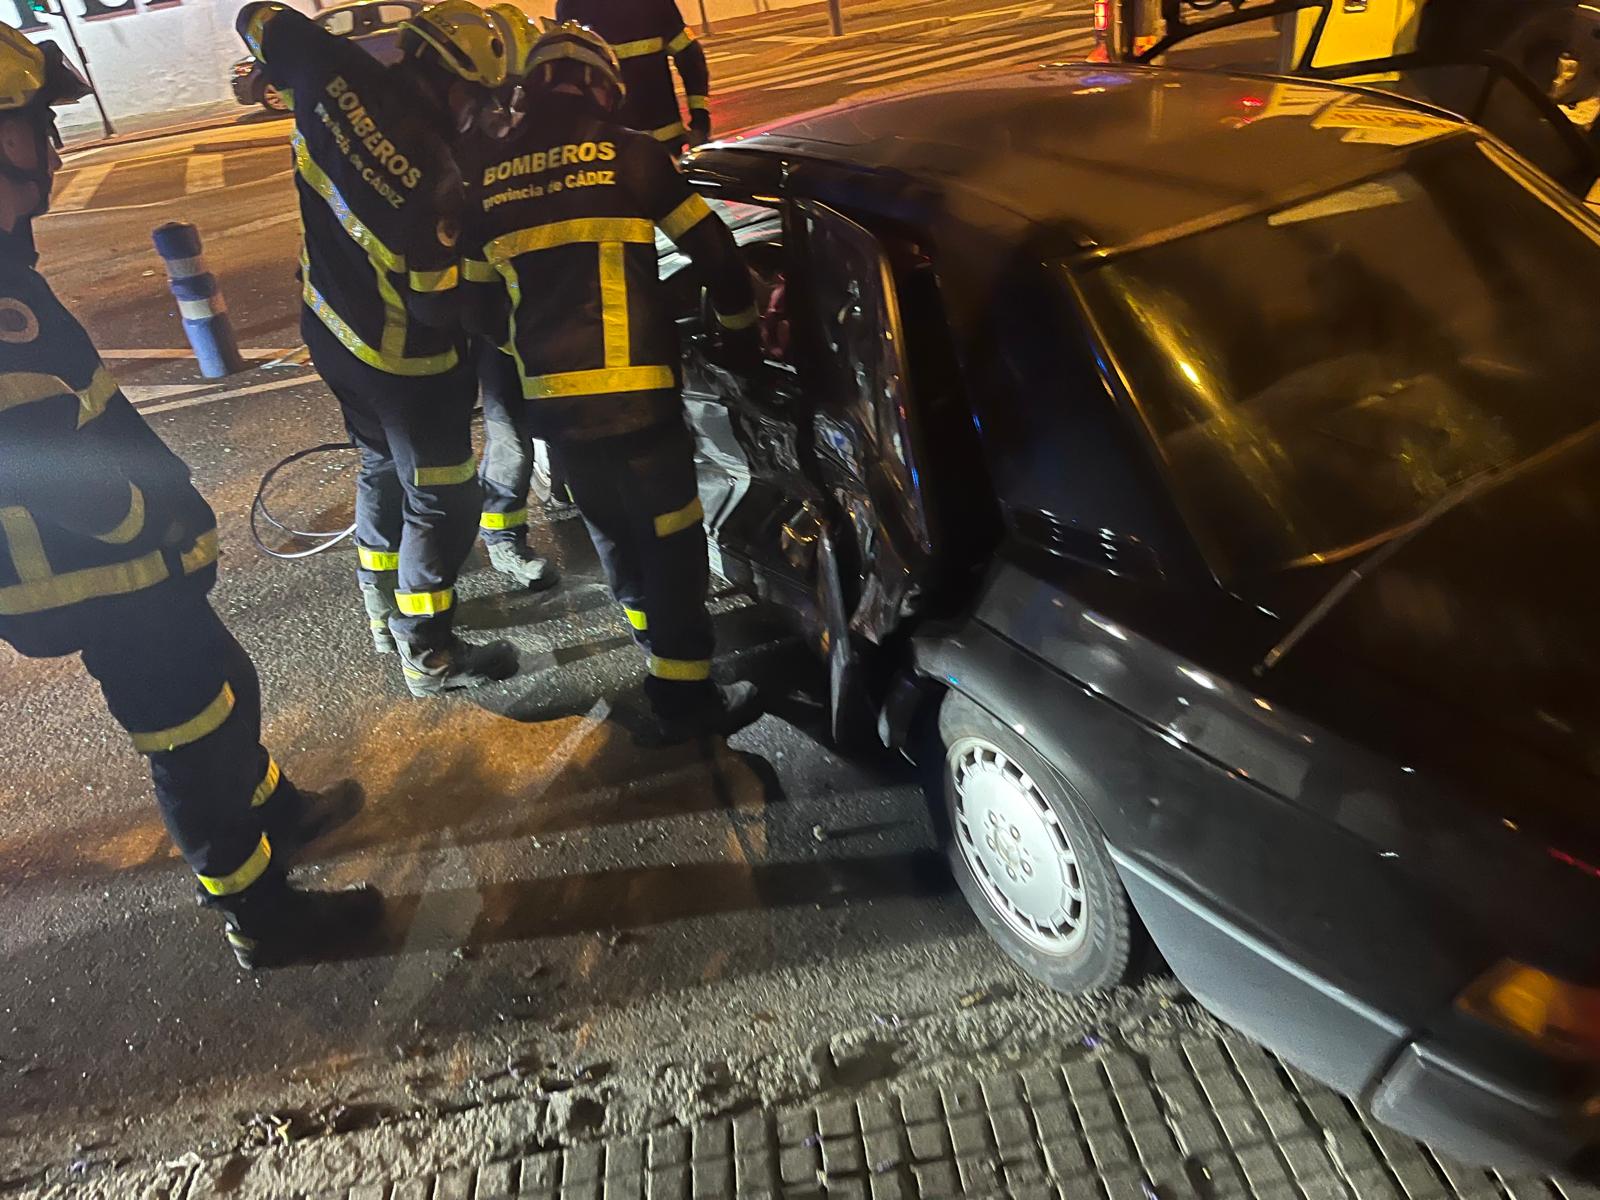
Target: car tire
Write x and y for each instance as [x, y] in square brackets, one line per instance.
[272, 101]
[1028, 856]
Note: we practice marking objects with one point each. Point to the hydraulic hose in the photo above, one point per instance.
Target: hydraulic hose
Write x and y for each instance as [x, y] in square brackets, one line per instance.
[326, 539]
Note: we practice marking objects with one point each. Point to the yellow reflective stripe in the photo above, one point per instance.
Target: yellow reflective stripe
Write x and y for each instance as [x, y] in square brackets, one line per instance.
[614, 305]
[739, 320]
[684, 670]
[436, 364]
[424, 604]
[689, 515]
[27, 551]
[475, 270]
[93, 399]
[599, 383]
[566, 233]
[128, 528]
[207, 721]
[268, 784]
[378, 560]
[203, 553]
[636, 618]
[636, 49]
[447, 476]
[435, 281]
[73, 587]
[505, 520]
[681, 43]
[26, 387]
[353, 225]
[254, 868]
[667, 132]
[685, 217]
[699, 103]
[392, 342]
[256, 27]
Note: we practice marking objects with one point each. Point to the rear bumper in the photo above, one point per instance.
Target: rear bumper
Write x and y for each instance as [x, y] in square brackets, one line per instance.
[1408, 1082]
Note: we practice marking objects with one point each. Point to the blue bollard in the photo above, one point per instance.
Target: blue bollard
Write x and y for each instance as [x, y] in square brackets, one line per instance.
[205, 313]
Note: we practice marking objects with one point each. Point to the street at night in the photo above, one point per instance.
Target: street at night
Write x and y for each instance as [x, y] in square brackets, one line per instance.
[606, 967]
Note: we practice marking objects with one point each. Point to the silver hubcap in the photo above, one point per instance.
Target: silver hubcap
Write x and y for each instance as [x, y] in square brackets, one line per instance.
[1016, 847]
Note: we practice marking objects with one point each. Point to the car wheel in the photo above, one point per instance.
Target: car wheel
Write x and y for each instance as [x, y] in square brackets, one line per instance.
[1028, 856]
[272, 101]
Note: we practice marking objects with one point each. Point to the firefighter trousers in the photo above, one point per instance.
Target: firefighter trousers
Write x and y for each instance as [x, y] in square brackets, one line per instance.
[638, 496]
[417, 494]
[188, 694]
[507, 467]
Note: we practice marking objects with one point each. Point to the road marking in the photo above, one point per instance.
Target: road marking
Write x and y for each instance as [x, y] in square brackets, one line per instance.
[836, 64]
[914, 59]
[81, 189]
[256, 226]
[165, 352]
[202, 173]
[1011, 52]
[146, 393]
[234, 394]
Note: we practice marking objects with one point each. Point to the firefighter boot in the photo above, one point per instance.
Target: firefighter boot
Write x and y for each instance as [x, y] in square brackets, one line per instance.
[457, 666]
[271, 924]
[720, 709]
[293, 819]
[511, 556]
[380, 606]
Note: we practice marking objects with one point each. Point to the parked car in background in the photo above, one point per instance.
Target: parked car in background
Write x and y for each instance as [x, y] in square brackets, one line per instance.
[371, 23]
[1202, 470]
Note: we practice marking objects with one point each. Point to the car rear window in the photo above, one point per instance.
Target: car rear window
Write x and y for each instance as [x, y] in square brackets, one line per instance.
[1319, 375]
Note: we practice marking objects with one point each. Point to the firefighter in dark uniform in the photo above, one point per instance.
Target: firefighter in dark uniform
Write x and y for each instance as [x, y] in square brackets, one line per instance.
[507, 468]
[108, 552]
[565, 218]
[380, 201]
[644, 34]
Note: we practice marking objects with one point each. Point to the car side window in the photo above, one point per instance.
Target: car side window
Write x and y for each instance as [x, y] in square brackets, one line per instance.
[393, 14]
[855, 313]
[340, 23]
[1068, 465]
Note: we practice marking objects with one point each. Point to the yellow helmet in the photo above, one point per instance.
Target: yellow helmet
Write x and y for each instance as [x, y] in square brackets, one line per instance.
[35, 74]
[570, 42]
[520, 32]
[467, 42]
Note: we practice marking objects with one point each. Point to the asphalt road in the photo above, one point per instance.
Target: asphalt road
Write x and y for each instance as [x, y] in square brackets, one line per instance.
[693, 923]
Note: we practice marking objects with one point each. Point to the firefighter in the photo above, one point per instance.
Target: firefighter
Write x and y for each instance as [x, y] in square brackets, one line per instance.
[566, 216]
[108, 552]
[507, 467]
[644, 34]
[380, 202]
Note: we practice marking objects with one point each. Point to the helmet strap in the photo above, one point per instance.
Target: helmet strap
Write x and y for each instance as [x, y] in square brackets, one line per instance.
[45, 135]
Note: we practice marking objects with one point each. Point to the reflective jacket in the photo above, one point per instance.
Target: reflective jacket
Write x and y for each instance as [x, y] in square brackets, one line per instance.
[563, 218]
[95, 511]
[644, 33]
[379, 193]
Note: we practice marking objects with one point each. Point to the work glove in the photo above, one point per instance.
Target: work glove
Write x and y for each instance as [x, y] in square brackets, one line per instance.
[699, 127]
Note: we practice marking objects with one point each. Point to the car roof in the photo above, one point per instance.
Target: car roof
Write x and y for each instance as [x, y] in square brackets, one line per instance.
[1116, 153]
[414, 5]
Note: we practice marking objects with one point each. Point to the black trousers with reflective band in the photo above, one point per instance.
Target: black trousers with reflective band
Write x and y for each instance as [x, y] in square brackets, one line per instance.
[417, 495]
[638, 496]
[507, 466]
[188, 694]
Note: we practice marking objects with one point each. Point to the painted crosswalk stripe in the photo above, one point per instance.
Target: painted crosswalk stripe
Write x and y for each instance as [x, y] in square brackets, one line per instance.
[916, 61]
[1012, 54]
[840, 64]
[80, 189]
[202, 173]
[821, 62]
